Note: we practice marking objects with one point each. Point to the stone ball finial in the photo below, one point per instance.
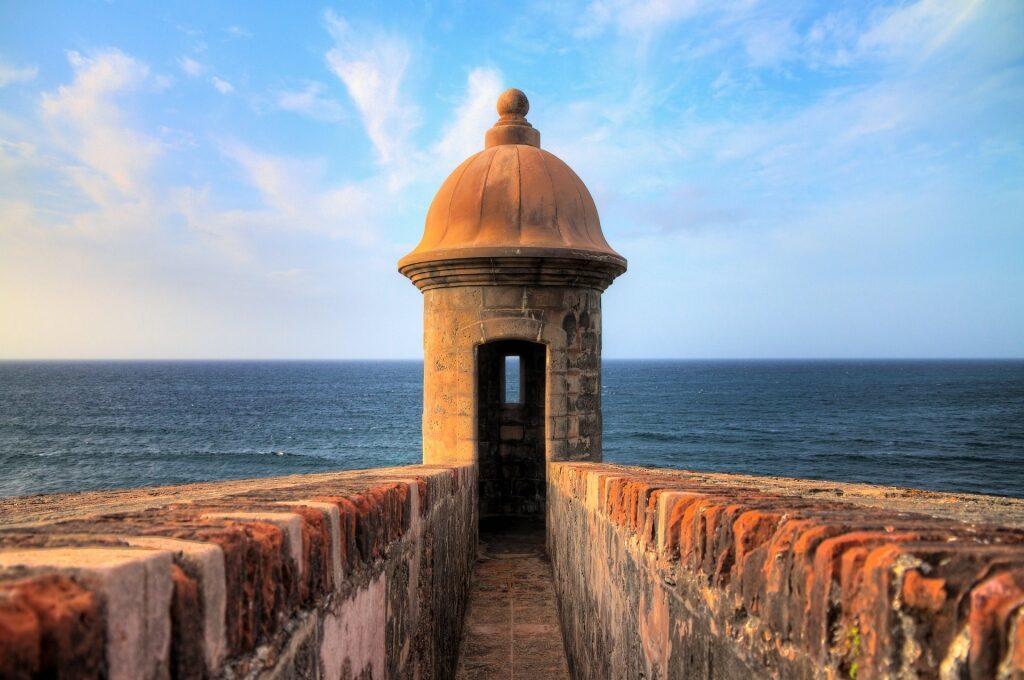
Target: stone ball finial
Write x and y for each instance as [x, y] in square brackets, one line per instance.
[513, 102]
[512, 126]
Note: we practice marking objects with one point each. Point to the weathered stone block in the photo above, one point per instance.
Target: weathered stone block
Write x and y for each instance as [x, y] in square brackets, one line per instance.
[505, 297]
[206, 560]
[135, 586]
[730, 577]
[353, 635]
[50, 626]
[289, 523]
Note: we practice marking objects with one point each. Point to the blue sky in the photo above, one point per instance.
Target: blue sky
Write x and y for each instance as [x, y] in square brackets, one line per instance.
[787, 179]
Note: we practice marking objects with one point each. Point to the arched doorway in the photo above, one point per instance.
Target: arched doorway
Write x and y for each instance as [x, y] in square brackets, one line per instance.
[511, 379]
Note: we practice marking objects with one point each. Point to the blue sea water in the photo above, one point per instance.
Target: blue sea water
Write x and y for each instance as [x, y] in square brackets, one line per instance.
[948, 425]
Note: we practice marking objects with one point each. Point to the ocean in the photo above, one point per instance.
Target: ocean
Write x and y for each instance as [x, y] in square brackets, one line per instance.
[944, 425]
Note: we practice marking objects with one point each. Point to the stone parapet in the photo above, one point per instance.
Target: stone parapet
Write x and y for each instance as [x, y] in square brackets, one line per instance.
[342, 575]
[670, 574]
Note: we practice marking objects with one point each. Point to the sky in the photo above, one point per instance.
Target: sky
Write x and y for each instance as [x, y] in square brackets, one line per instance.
[238, 180]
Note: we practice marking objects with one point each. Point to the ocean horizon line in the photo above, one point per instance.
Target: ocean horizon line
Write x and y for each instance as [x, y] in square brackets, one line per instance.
[56, 360]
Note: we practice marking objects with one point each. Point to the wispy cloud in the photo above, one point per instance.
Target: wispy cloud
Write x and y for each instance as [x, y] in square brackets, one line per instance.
[295, 197]
[310, 101]
[221, 85]
[732, 145]
[629, 16]
[191, 67]
[196, 69]
[473, 115]
[769, 42]
[372, 65]
[86, 119]
[90, 224]
[917, 30]
[17, 74]
[843, 136]
[907, 33]
[282, 183]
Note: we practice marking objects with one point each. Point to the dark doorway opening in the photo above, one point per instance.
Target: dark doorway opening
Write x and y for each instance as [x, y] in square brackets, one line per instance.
[510, 429]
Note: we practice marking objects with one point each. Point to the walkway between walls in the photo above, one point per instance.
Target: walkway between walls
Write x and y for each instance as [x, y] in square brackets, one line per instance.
[511, 629]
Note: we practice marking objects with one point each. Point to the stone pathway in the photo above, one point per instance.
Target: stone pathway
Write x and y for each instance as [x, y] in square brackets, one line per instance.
[511, 629]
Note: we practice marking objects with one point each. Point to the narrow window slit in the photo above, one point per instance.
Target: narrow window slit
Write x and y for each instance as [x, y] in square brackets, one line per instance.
[512, 392]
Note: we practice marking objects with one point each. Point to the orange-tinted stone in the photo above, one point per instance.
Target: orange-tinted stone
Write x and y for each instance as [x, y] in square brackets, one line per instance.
[49, 627]
[922, 592]
[19, 638]
[992, 604]
[316, 542]
[187, 659]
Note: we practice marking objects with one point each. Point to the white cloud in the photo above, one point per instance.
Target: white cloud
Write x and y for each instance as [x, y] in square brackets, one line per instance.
[86, 120]
[728, 83]
[767, 32]
[831, 40]
[14, 74]
[310, 102]
[629, 16]
[909, 33]
[221, 85]
[918, 29]
[190, 31]
[195, 69]
[474, 114]
[282, 184]
[174, 138]
[372, 65]
[757, 170]
[769, 42]
[893, 126]
[296, 198]
[13, 153]
[94, 206]
[238, 31]
[191, 67]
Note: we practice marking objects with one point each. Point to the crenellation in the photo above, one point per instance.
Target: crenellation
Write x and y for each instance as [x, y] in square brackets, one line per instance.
[290, 525]
[224, 589]
[771, 581]
[134, 588]
[50, 626]
[198, 566]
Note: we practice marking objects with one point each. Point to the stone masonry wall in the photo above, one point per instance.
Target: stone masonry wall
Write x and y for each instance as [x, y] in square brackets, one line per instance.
[360, 574]
[565, 319]
[668, 574]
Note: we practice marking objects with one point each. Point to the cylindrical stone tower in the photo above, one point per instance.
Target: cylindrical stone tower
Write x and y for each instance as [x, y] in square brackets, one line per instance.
[512, 266]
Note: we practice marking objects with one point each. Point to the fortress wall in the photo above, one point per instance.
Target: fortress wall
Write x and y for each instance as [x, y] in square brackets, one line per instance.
[360, 574]
[663, 573]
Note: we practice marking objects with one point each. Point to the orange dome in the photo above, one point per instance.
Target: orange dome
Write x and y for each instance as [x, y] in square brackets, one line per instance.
[513, 199]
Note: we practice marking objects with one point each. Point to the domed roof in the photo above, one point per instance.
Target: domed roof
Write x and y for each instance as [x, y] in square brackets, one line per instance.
[513, 199]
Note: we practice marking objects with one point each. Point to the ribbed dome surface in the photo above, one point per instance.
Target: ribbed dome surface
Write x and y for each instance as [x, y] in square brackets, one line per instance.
[513, 199]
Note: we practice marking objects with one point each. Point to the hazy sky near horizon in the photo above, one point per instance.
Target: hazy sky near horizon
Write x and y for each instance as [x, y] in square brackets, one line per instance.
[238, 180]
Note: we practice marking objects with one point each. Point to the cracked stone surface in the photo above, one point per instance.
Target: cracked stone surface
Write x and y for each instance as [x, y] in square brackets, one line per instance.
[511, 628]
